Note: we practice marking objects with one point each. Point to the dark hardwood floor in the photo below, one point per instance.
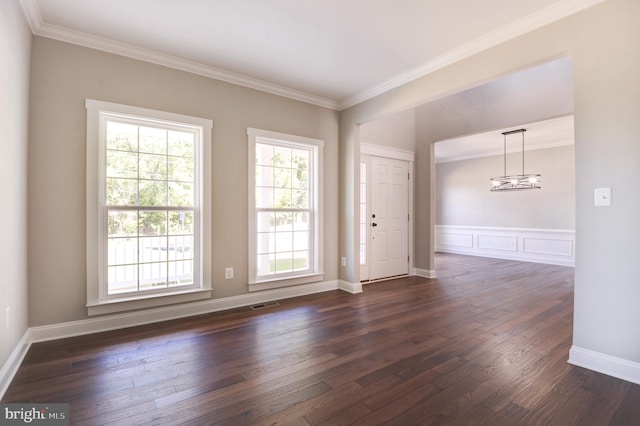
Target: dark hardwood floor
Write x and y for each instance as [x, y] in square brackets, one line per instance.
[486, 342]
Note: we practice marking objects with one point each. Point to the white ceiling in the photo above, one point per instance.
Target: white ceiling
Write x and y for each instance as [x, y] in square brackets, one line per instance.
[333, 53]
[540, 135]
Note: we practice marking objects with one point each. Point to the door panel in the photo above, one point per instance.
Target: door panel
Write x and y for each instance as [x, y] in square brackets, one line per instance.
[389, 221]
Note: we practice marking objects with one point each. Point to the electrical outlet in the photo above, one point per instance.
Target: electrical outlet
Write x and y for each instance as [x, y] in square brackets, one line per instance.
[343, 261]
[228, 273]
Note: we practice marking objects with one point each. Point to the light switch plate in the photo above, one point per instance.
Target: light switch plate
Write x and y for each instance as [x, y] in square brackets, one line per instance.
[602, 197]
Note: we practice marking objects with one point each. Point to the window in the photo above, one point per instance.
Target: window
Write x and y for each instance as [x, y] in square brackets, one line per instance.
[145, 194]
[285, 214]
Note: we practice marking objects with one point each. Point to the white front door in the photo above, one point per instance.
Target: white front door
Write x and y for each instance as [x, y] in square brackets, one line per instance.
[389, 218]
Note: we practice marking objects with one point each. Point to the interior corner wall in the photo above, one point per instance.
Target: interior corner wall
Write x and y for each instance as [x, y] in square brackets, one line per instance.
[63, 75]
[463, 197]
[602, 43]
[15, 53]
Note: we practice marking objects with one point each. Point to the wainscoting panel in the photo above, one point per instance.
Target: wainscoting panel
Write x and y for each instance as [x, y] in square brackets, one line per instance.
[453, 239]
[548, 246]
[497, 242]
[552, 246]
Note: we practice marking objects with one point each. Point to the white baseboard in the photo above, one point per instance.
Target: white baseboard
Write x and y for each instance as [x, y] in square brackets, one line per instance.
[424, 273]
[10, 368]
[605, 364]
[353, 288]
[148, 316]
[551, 246]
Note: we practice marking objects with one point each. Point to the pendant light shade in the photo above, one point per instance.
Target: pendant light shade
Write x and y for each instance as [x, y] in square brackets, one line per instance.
[514, 182]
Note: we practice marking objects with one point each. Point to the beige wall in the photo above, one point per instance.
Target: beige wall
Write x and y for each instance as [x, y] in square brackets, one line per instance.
[396, 131]
[463, 197]
[602, 42]
[534, 94]
[538, 93]
[15, 46]
[63, 75]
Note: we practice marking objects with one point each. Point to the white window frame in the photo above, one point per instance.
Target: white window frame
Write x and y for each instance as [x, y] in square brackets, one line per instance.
[98, 301]
[315, 273]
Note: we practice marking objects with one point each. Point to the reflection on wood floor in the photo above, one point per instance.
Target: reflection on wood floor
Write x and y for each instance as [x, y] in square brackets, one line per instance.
[486, 342]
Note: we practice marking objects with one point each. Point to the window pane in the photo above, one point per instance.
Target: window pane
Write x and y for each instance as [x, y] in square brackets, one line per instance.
[153, 193]
[282, 198]
[284, 242]
[266, 242]
[283, 262]
[181, 194]
[301, 240]
[284, 222]
[180, 273]
[281, 177]
[122, 223]
[181, 223]
[180, 169]
[153, 140]
[265, 266]
[264, 197]
[121, 192]
[363, 233]
[299, 199]
[153, 249]
[264, 154]
[153, 275]
[300, 179]
[122, 251]
[301, 221]
[122, 279]
[300, 165]
[264, 176]
[181, 144]
[122, 164]
[301, 260]
[180, 247]
[153, 223]
[281, 157]
[122, 136]
[266, 222]
[153, 166]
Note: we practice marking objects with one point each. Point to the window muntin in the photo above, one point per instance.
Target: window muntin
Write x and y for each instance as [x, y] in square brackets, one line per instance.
[284, 219]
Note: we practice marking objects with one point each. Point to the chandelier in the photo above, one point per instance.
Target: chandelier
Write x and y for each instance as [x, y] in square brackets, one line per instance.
[514, 182]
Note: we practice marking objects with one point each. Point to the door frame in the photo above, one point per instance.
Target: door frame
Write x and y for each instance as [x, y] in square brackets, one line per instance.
[366, 152]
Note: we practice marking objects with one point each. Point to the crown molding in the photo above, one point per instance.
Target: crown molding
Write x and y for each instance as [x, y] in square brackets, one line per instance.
[522, 26]
[40, 28]
[496, 152]
[501, 35]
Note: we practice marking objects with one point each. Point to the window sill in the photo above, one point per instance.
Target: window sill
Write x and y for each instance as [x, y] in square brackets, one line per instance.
[285, 282]
[148, 301]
